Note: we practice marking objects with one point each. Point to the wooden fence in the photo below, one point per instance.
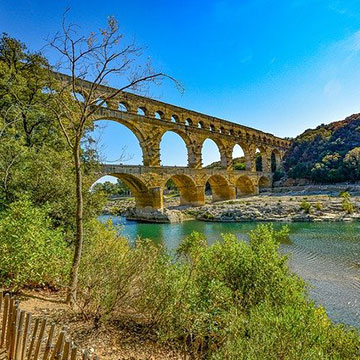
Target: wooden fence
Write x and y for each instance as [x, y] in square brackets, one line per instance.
[24, 338]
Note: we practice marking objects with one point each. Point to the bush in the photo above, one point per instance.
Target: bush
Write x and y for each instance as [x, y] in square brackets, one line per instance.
[31, 251]
[318, 206]
[111, 271]
[230, 300]
[305, 206]
[347, 205]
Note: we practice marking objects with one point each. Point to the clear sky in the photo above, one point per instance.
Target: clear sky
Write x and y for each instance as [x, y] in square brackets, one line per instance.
[280, 66]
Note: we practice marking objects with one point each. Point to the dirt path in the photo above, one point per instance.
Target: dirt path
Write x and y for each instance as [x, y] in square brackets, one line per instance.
[121, 340]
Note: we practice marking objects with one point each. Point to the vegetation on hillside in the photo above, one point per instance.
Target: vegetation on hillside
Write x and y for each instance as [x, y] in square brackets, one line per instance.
[328, 154]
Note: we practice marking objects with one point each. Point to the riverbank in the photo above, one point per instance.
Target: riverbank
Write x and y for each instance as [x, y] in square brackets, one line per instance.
[265, 207]
[312, 208]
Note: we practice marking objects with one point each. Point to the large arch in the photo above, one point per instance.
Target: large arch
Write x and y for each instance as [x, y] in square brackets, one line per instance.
[174, 148]
[133, 129]
[245, 186]
[190, 193]
[211, 147]
[144, 197]
[264, 183]
[220, 188]
[275, 160]
[239, 158]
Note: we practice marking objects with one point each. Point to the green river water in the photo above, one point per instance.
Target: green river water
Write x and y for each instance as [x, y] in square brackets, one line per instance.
[326, 255]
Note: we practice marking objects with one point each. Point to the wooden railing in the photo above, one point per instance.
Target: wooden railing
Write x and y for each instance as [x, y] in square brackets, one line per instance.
[25, 338]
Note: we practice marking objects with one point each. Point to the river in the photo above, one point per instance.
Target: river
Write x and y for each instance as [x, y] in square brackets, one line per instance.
[326, 255]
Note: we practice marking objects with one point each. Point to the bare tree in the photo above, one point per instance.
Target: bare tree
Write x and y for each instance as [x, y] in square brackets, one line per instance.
[97, 58]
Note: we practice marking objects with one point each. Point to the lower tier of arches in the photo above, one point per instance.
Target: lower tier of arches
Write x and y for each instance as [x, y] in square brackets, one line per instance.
[148, 188]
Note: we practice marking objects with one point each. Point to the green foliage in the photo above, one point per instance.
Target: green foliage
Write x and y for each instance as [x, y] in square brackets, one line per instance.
[230, 300]
[110, 269]
[305, 206]
[318, 206]
[34, 156]
[328, 154]
[112, 189]
[347, 205]
[32, 252]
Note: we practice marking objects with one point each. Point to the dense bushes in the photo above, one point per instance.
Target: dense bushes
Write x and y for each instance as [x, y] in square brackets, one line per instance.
[32, 252]
[328, 154]
[231, 300]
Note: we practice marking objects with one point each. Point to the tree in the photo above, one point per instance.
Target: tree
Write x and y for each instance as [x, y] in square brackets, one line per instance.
[352, 162]
[96, 58]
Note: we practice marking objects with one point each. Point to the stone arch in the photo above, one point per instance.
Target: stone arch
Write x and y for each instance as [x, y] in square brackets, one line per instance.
[221, 189]
[188, 122]
[142, 111]
[221, 148]
[275, 160]
[123, 106]
[190, 193]
[144, 196]
[134, 129]
[185, 138]
[264, 183]
[175, 118]
[159, 115]
[245, 186]
[239, 150]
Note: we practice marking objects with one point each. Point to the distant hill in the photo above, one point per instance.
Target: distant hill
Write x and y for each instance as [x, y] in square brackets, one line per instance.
[239, 164]
[328, 154]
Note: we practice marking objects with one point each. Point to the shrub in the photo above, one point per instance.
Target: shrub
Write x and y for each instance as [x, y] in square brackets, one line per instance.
[347, 205]
[31, 251]
[318, 206]
[230, 300]
[110, 270]
[305, 206]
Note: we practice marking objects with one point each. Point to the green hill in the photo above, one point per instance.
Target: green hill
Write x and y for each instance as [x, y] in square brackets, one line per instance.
[328, 154]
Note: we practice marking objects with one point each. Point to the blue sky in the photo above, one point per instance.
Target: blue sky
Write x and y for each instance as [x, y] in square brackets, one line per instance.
[280, 66]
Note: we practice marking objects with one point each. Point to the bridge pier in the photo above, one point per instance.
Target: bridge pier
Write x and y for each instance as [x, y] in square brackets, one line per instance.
[222, 193]
[192, 195]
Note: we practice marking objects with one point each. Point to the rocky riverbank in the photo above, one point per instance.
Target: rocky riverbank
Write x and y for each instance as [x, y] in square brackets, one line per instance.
[280, 208]
[267, 207]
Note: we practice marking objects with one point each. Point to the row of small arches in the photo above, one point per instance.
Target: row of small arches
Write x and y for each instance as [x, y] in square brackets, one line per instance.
[142, 111]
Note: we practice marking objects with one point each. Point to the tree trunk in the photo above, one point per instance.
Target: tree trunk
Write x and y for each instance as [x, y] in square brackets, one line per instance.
[72, 291]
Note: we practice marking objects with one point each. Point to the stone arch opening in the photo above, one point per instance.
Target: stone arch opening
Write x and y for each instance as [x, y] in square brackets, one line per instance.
[144, 197]
[175, 119]
[173, 149]
[123, 106]
[142, 111]
[106, 133]
[275, 160]
[159, 115]
[112, 187]
[238, 158]
[101, 102]
[183, 186]
[264, 184]
[260, 159]
[219, 188]
[78, 96]
[188, 122]
[244, 186]
[212, 154]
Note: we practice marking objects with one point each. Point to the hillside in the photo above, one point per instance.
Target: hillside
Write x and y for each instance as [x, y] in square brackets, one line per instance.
[328, 154]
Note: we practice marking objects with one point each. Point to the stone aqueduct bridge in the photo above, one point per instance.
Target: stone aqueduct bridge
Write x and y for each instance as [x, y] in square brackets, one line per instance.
[150, 119]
